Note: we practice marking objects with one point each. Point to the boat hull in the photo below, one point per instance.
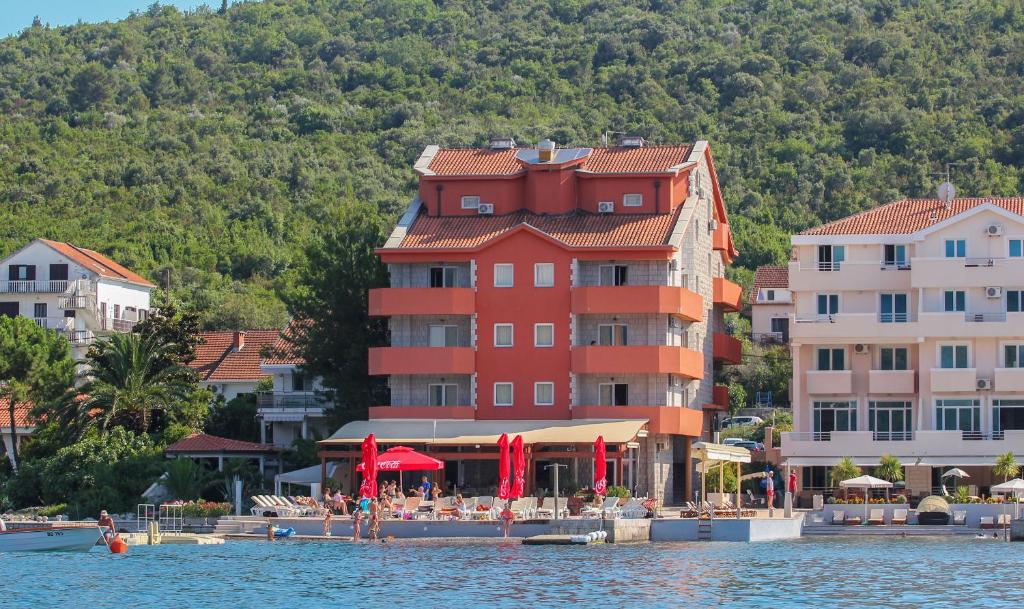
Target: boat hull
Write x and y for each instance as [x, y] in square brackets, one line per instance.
[58, 539]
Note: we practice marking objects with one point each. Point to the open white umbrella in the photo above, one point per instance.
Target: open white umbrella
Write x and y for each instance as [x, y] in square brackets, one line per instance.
[865, 482]
[1015, 486]
[956, 472]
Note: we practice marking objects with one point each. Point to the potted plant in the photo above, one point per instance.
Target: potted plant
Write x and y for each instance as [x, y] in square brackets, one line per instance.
[890, 469]
[844, 470]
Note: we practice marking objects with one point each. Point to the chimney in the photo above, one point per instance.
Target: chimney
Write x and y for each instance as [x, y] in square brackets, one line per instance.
[238, 342]
[546, 151]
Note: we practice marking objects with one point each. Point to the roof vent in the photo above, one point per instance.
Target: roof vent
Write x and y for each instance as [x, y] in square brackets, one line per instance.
[501, 143]
[546, 151]
[631, 141]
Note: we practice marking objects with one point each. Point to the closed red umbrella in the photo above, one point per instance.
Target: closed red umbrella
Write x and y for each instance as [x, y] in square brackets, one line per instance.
[518, 468]
[600, 467]
[503, 485]
[404, 459]
[368, 489]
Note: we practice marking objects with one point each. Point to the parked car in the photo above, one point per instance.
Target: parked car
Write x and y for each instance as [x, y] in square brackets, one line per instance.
[732, 441]
[750, 445]
[746, 420]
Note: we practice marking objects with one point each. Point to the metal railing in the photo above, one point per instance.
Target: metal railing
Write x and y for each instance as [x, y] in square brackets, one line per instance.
[810, 436]
[828, 266]
[894, 318]
[769, 338]
[117, 325]
[892, 436]
[984, 317]
[817, 319]
[78, 337]
[894, 265]
[289, 399]
[27, 286]
[981, 262]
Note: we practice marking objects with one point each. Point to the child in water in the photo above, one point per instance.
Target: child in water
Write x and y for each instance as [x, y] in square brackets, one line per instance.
[506, 519]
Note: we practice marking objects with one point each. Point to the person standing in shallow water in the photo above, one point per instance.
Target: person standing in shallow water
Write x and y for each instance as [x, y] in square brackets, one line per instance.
[374, 519]
[770, 490]
[357, 518]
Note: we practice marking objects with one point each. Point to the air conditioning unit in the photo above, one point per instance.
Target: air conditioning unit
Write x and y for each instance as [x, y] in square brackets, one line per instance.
[994, 230]
[993, 292]
[485, 209]
[860, 348]
[605, 207]
[713, 225]
[984, 384]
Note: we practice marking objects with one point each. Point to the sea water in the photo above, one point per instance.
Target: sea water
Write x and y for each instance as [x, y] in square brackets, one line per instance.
[466, 574]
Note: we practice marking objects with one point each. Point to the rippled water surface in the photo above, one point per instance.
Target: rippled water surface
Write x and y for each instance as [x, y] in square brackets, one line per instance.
[815, 572]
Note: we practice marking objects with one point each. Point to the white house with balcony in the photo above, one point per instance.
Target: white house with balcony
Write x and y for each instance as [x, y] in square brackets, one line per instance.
[76, 291]
[907, 335]
[771, 304]
[296, 406]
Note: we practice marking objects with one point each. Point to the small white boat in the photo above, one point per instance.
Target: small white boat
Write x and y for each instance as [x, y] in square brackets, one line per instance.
[68, 538]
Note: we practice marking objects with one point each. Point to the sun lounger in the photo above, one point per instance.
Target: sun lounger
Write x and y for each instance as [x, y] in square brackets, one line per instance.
[960, 517]
[726, 504]
[411, 506]
[634, 508]
[609, 509]
[548, 508]
[988, 522]
[899, 516]
[265, 507]
[530, 511]
[876, 517]
[689, 511]
[1003, 521]
[518, 507]
[838, 517]
[851, 520]
[484, 501]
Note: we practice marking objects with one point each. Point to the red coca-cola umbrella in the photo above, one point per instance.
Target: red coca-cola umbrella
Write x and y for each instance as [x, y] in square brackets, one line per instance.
[503, 484]
[518, 468]
[368, 489]
[600, 467]
[404, 459]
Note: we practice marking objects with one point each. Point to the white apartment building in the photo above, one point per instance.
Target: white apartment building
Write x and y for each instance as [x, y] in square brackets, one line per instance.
[296, 407]
[78, 292]
[908, 339]
[771, 304]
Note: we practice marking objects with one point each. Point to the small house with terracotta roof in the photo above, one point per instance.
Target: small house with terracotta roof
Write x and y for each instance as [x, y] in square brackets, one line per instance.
[771, 304]
[228, 361]
[201, 446]
[73, 290]
[23, 426]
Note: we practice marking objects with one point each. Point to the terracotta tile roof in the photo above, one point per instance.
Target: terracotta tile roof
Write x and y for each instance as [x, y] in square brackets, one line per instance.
[769, 277]
[21, 418]
[97, 263]
[216, 359]
[483, 161]
[575, 229]
[909, 216]
[283, 352]
[205, 443]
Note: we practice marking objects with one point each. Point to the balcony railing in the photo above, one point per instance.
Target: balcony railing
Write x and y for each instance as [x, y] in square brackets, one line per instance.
[109, 324]
[769, 338]
[894, 265]
[29, 286]
[981, 262]
[809, 436]
[77, 337]
[892, 436]
[984, 317]
[288, 399]
[828, 266]
[894, 318]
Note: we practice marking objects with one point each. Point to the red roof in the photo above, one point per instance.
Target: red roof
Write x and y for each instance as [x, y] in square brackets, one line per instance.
[205, 443]
[483, 161]
[218, 360]
[283, 351]
[97, 263]
[909, 216]
[769, 277]
[21, 410]
[575, 229]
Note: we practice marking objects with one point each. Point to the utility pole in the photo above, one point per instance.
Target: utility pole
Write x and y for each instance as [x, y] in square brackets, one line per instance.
[556, 466]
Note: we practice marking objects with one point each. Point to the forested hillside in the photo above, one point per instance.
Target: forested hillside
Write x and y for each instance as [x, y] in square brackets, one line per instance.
[204, 149]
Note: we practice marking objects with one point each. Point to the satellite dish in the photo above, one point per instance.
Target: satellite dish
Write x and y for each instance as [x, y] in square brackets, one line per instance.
[947, 192]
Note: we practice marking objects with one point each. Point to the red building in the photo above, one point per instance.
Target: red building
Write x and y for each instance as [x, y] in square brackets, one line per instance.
[560, 293]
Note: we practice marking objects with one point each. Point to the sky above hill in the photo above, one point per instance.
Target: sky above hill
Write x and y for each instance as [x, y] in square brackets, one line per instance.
[16, 15]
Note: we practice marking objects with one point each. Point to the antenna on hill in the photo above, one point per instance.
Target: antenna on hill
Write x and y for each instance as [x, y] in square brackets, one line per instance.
[946, 191]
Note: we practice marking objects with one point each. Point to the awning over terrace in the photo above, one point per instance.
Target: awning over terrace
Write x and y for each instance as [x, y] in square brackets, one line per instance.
[463, 432]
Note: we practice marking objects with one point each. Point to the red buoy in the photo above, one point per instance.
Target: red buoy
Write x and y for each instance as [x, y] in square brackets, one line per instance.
[118, 546]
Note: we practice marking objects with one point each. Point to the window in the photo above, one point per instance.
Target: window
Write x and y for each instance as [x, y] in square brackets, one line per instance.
[1014, 301]
[544, 275]
[543, 335]
[503, 275]
[893, 358]
[893, 308]
[444, 336]
[632, 200]
[958, 415]
[39, 310]
[770, 295]
[828, 304]
[831, 358]
[1006, 415]
[613, 274]
[1013, 356]
[890, 421]
[58, 272]
[613, 394]
[1016, 248]
[442, 276]
[503, 394]
[470, 202]
[21, 272]
[956, 248]
[954, 300]
[894, 255]
[831, 257]
[502, 335]
[833, 416]
[298, 381]
[444, 394]
[612, 335]
[953, 356]
[543, 394]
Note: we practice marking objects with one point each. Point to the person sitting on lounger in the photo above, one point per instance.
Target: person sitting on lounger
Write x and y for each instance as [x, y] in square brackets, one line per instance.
[328, 498]
[339, 503]
[387, 506]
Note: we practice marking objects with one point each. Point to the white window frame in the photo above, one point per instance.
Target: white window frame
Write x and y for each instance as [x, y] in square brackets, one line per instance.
[847, 364]
[1002, 352]
[511, 335]
[536, 337]
[954, 292]
[614, 342]
[769, 294]
[511, 394]
[501, 266]
[445, 387]
[893, 347]
[612, 385]
[612, 266]
[633, 199]
[1015, 238]
[839, 303]
[445, 269]
[430, 332]
[536, 386]
[470, 202]
[938, 355]
[537, 267]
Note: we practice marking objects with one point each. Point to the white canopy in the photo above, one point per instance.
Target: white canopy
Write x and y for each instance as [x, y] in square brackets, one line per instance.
[306, 475]
[865, 482]
[957, 472]
[1011, 486]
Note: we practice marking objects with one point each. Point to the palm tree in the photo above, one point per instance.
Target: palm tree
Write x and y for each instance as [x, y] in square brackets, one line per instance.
[1006, 466]
[889, 468]
[129, 378]
[844, 470]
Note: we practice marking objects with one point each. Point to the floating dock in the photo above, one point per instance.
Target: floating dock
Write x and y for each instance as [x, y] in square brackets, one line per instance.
[560, 540]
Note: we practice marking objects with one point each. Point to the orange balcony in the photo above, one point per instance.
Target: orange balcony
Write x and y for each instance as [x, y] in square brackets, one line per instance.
[422, 360]
[638, 359]
[421, 412]
[726, 349]
[611, 300]
[720, 237]
[386, 302]
[727, 294]
[661, 419]
[719, 398]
